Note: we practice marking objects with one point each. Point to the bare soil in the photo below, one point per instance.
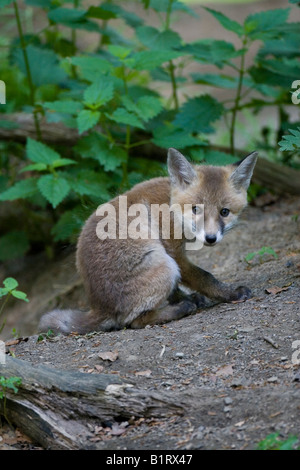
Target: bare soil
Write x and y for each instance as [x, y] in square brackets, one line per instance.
[236, 360]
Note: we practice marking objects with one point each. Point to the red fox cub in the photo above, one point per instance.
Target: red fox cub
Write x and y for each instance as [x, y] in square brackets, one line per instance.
[131, 267]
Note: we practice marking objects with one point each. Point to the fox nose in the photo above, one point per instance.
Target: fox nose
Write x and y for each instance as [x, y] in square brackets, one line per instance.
[210, 239]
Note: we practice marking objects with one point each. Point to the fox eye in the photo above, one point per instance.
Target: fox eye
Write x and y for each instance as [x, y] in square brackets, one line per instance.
[196, 210]
[224, 212]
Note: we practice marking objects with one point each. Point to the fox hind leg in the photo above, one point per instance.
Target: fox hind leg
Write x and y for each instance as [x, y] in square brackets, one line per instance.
[165, 314]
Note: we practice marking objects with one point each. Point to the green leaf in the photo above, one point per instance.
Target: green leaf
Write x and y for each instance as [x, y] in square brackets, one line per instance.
[218, 80]
[99, 93]
[264, 24]
[155, 39]
[54, 188]
[145, 107]
[67, 106]
[122, 116]
[44, 65]
[13, 245]
[69, 224]
[4, 3]
[20, 190]
[40, 153]
[20, 295]
[164, 5]
[63, 162]
[90, 183]
[169, 137]
[149, 60]
[98, 148]
[129, 17]
[10, 283]
[34, 167]
[227, 23]
[100, 13]
[87, 119]
[213, 157]
[91, 66]
[73, 18]
[198, 113]
[66, 15]
[213, 51]
[290, 142]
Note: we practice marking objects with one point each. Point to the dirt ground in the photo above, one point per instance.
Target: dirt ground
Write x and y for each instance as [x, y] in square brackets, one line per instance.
[237, 360]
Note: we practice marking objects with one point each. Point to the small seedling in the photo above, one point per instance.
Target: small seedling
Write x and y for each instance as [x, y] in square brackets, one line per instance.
[260, 253]
[12, 383]
[49, 335]
[9, 289]
[272, 442]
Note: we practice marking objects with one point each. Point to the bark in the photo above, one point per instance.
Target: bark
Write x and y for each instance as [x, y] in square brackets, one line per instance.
[58, 408]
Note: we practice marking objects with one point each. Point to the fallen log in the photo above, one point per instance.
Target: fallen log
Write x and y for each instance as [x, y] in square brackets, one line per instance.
[273, 176]
[58, 408]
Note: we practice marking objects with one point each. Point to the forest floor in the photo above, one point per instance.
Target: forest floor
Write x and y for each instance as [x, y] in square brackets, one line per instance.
[239, 362]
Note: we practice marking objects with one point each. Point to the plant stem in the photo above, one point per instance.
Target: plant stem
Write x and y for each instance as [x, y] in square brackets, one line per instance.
[174, 85]
[171, 65]
[28, 72]
[237, 100]
[1, 310]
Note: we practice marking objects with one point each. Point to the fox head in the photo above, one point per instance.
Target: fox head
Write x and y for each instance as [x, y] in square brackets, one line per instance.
[216, 195]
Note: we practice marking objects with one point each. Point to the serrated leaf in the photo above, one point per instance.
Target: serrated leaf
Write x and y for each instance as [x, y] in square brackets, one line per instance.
[40, 153]
[120, 52]
[164, 5]
[98, 148]
[34, 167]
[86, 119]
[155, 39]
[198, 113]
[263, 24]
[4, 3]
[227, 23]
[90, 183]
[100, 13]
[66, 15]
[213, 51]
[69, 224]
[291, 142]
[99, 93]
[91, 66]
[44, 65]
[129, 17]
[67, 106]
[10, 283]
[176, 138]
[20, 190]
[122, 116]
[222, 81]
[149, 60]
[13, 245]
[54, 188]
[145, 107]
[63, 162]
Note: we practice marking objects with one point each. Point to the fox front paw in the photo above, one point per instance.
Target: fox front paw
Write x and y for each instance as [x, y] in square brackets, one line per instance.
[241, 293]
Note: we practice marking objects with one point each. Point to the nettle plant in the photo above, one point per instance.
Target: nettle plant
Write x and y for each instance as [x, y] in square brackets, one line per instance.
[109, 98]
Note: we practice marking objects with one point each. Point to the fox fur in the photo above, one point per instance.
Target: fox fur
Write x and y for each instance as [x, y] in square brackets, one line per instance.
[135, 282]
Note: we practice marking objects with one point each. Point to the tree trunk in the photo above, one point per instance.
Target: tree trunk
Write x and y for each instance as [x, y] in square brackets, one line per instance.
[58, 408]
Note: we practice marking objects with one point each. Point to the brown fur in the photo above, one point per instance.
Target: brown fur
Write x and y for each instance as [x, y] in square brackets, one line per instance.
[132, 283]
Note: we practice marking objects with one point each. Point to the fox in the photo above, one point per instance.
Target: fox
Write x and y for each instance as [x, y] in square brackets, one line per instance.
[132, 282]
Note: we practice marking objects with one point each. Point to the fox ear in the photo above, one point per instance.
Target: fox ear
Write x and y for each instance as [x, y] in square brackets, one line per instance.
[242, 175]
[180, 170]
